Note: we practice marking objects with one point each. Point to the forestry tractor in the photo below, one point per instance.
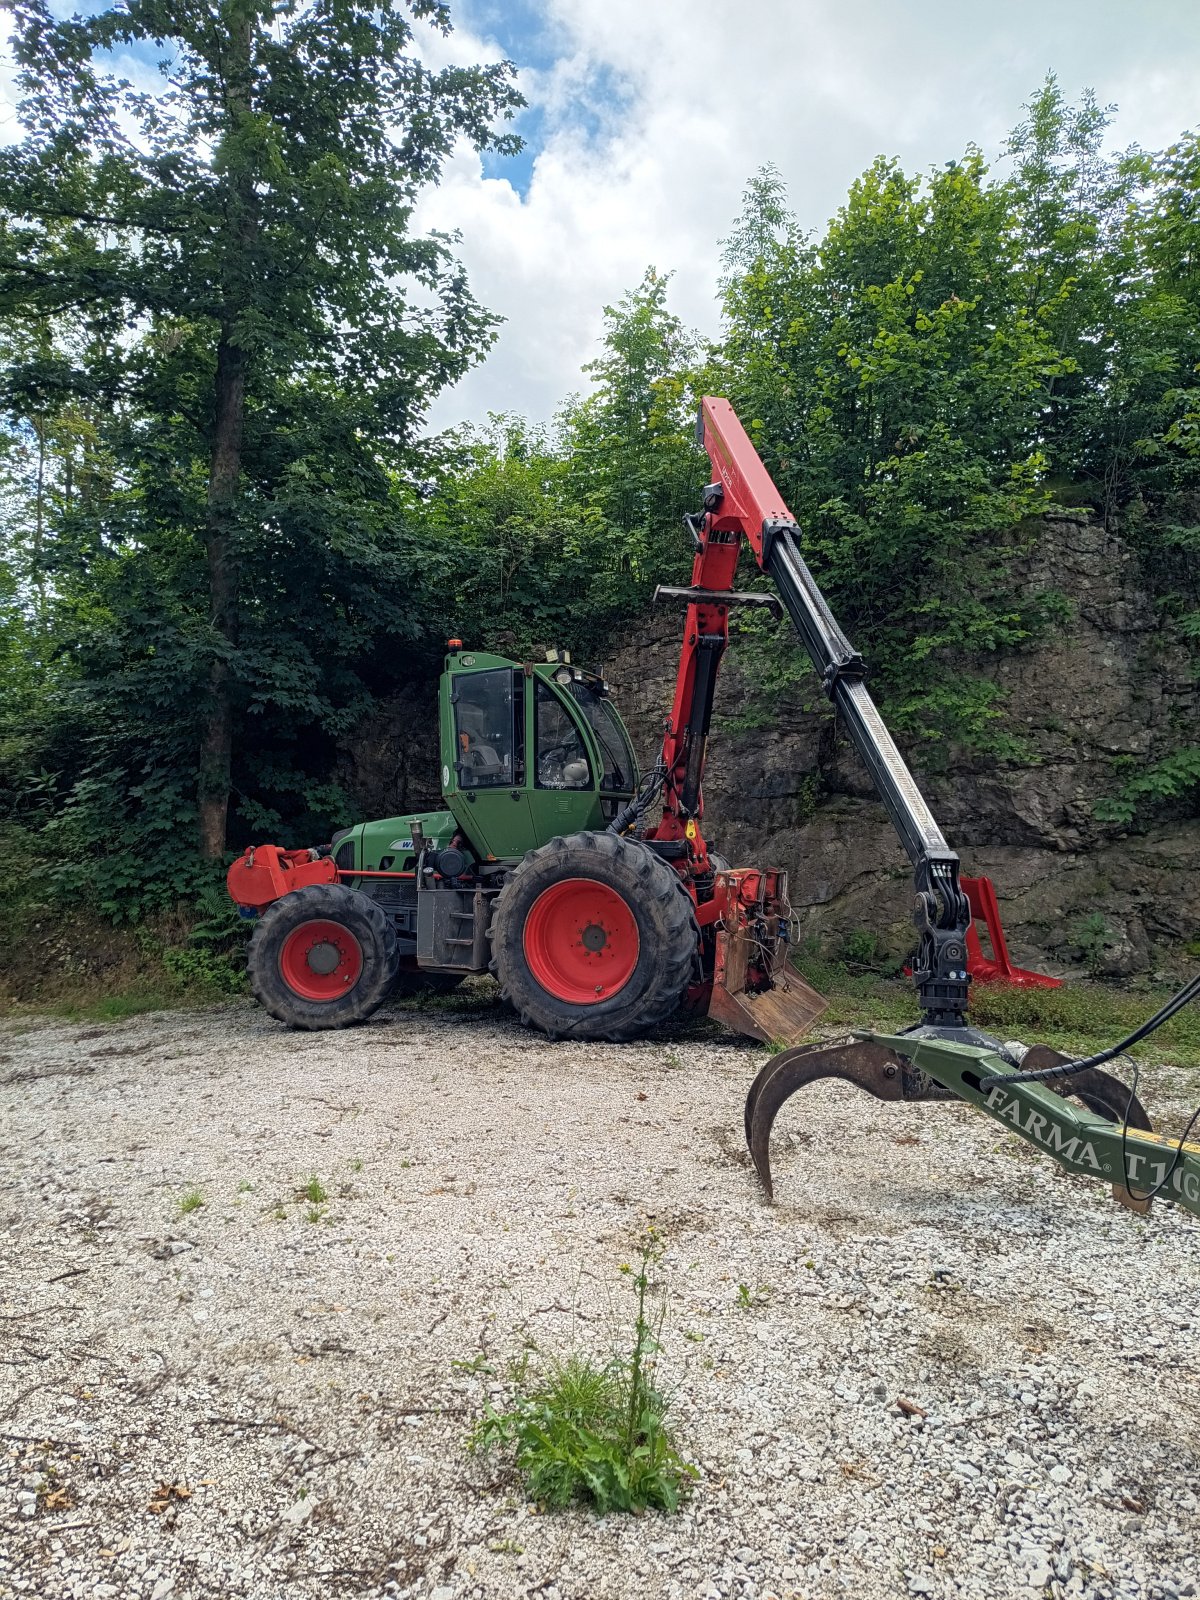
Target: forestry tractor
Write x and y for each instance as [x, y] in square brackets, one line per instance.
[588, 891]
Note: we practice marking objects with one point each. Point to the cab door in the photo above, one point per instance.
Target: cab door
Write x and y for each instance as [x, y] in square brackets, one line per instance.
[484, 769]
[563, 778]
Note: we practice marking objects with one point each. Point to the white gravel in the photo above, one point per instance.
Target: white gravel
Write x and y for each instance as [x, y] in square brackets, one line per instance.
[309, 1384]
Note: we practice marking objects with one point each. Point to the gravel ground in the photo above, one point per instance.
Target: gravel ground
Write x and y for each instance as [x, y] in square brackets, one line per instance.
[266, 1397]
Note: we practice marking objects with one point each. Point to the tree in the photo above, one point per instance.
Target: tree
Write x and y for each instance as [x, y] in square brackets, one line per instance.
[1071, 210]
[634, 464]
[238, 241]
[894, 383]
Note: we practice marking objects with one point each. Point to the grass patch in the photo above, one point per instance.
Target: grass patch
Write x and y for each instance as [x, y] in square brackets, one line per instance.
[192, 1201]
[62, 956]
[595, 1431]
[315, 1192]
[1080, 1017]
[116, 1007]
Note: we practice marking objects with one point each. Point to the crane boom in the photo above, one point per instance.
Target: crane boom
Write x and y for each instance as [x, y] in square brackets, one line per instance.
[743, 502]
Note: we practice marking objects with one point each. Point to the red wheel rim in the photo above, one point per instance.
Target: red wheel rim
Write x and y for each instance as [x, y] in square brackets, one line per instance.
[320, 960]
[581, 941]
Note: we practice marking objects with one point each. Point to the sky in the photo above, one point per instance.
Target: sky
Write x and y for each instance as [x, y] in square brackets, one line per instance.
[646, 119]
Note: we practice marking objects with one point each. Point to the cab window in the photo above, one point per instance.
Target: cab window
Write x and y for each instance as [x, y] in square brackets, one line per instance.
[486, 712]
[610, 737]
[562, 761]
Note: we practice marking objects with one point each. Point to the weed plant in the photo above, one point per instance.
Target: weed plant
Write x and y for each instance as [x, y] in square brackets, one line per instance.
[597, 1432]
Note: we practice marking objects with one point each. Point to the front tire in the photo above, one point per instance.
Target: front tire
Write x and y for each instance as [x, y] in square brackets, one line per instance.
[594, 937]
[322, 957]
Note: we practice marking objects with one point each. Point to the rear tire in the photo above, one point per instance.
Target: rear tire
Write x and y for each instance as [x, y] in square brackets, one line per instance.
[594, 937]
[322, 957]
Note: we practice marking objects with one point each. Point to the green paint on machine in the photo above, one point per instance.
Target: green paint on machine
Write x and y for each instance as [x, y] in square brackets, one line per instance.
[1133, 1159]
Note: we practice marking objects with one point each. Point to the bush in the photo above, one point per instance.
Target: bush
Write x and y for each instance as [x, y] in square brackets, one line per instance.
[596, 1432]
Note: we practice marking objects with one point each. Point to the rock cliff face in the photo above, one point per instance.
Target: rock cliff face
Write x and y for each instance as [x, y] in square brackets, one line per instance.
[1074, 892]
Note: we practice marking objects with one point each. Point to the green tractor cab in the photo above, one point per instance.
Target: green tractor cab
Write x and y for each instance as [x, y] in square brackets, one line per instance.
[528, 752]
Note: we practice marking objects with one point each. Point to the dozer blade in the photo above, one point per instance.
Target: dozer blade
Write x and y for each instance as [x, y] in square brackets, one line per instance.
[754, 989]
[784, 1012]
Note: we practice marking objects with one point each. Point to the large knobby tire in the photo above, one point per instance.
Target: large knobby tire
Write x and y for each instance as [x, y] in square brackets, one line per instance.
[594, 937]
[322, 957]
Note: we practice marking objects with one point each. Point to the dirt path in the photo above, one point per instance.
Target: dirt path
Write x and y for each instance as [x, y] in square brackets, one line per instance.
[306, 1370]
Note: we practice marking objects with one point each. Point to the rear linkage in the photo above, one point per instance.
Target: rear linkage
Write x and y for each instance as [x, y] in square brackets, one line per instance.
[943, 1057]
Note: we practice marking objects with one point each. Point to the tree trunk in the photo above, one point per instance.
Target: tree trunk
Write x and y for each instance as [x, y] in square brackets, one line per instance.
[225, 462]
[216, 743]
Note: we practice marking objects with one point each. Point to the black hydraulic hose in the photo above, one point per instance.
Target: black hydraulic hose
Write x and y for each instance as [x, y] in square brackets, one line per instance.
[1068, 1069]
[635, 809]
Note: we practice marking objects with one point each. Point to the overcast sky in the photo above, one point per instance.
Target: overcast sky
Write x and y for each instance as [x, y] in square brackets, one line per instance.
[647, 117]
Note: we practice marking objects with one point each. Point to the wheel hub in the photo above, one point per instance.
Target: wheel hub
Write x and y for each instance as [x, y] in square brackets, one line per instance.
[581, 941]
[320, 960]
[324, 957]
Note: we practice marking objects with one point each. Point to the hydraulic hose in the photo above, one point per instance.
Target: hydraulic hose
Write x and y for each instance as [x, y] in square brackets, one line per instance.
[1068, 1069]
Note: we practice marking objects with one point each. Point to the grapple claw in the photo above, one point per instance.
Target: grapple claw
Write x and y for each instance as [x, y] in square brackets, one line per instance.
[872, 1067]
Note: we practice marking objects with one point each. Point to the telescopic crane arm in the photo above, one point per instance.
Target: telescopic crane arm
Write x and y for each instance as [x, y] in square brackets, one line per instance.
[742, 501]
[943, 1058]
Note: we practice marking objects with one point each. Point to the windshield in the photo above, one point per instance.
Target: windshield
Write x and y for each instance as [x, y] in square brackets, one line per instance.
[615, 749]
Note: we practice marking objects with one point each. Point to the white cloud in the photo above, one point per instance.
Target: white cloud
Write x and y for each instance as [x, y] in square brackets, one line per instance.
[713, 91]
[709, 92]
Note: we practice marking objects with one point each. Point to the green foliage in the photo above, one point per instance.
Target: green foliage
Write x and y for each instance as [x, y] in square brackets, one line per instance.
[596, 1432]
[553, 536]
[216, 279]
[919, 381]
[191, 1201]
[859, 947]
[749, 1299]
[1175, 778]
[1093, 936]
[893, 378]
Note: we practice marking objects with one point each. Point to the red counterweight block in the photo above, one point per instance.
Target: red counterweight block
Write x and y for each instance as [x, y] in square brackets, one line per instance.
[266, 873]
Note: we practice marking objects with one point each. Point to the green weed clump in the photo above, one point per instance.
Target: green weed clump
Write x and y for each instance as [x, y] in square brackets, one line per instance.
[596, 1432]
